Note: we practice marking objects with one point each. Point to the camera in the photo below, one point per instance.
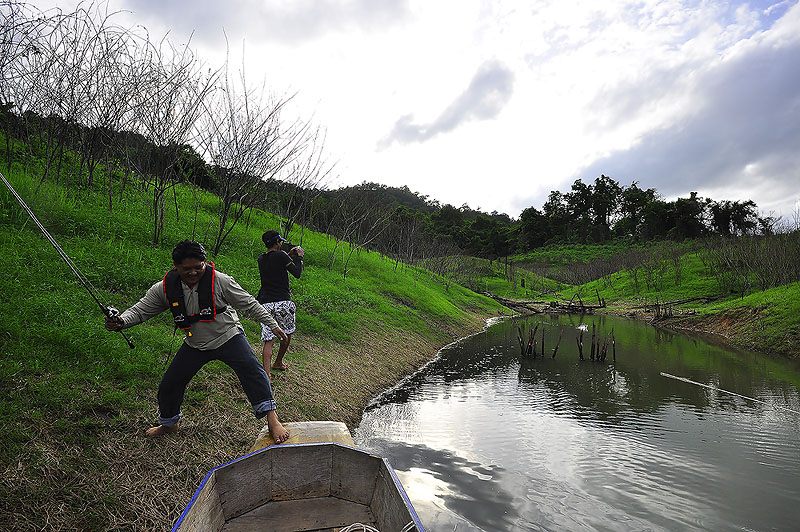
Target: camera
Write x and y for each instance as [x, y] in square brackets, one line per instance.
[287, 246]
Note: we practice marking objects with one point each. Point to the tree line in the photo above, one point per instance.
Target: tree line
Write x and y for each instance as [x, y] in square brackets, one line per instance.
[600, 212]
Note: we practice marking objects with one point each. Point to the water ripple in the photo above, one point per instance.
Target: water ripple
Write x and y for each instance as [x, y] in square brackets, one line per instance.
[486, 441]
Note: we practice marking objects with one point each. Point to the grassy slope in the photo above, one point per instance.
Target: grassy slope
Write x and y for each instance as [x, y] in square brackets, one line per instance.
[567, 253]
[767, 321]
[74, 399]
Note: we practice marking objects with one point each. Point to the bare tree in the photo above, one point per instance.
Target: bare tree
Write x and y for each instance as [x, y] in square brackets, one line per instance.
[244, 137]
[302, 183]
[31, 82]
[69, 80]
[169, 101]
[372, 221]
[18, 42]
[96, 73]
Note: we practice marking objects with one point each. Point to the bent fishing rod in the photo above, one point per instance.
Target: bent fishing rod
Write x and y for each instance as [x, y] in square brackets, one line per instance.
[108, 310]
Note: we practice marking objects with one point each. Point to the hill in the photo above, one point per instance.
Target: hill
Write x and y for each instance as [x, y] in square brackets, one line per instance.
[75, 400]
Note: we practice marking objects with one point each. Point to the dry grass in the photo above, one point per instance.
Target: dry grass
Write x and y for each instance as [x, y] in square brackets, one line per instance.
[124, 481]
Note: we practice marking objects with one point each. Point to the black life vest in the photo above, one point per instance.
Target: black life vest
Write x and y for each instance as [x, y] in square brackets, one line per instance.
[205, 294]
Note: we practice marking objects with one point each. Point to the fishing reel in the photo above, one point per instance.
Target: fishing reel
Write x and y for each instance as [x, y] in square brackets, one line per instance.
[114, 314]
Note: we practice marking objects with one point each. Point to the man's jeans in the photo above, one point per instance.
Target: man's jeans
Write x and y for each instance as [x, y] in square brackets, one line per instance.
[237, 354]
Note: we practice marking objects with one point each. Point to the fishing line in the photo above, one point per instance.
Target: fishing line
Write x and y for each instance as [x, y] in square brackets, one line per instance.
[171, 347]
[684, 379]
[108, 310]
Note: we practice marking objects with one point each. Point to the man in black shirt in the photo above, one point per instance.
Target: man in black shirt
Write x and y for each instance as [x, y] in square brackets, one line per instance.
[274, 267]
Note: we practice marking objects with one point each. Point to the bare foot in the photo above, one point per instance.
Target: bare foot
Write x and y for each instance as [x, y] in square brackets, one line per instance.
[276, 430]
[160, 430]
[280, 367]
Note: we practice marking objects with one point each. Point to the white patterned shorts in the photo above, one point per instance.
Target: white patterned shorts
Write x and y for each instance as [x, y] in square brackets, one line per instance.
[283, 312]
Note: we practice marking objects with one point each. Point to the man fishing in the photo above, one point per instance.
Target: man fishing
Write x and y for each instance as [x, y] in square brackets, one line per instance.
[201, 299]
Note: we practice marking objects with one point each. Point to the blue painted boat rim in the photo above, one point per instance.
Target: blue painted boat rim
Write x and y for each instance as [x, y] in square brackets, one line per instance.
[389, 467]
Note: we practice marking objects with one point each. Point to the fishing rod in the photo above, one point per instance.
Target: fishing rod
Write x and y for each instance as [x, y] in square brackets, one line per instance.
[690, 381]
[108, 310]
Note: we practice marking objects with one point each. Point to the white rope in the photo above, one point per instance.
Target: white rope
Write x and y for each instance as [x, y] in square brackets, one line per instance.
[360, 527]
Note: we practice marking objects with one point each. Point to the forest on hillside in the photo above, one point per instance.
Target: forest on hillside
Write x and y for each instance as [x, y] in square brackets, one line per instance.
[84, 96]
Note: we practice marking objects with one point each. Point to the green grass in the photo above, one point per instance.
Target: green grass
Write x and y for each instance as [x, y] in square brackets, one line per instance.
[570, 253]
[663, 284]
[505, 280]
[65, 382]
[53, 314]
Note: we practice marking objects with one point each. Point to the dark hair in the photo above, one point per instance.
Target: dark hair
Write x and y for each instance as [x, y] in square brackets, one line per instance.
[271, 237]
[188, 249]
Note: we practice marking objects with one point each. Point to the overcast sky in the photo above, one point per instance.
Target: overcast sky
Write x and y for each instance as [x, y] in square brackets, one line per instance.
[496, 103]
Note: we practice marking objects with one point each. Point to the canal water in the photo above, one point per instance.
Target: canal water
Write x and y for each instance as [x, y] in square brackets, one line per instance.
[483, 439]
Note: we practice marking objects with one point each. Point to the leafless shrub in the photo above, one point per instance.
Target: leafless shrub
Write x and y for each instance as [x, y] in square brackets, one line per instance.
[675, 254]
[165, 108]
[577, 273]
[354, 224]
[740, 264]
[304, 181]
[242, 133]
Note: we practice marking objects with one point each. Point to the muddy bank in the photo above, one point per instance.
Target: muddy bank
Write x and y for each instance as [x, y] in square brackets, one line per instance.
[335, 381]
[744, 327]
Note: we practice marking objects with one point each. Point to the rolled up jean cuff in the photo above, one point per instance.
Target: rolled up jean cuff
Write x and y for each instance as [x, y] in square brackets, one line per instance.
[170, 421]
[260, 410]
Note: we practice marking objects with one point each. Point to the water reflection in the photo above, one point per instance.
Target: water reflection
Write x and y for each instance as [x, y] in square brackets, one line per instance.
[485, 440]
[468, 489]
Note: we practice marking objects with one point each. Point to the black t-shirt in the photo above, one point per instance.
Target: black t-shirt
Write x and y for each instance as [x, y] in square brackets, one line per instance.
[274, 268]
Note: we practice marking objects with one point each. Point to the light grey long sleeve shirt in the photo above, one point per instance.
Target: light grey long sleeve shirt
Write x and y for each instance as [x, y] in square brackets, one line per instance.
[205, 335]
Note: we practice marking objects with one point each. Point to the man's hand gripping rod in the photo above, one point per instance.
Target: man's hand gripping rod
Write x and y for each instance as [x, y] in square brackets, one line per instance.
[109, 311]
[112, 313]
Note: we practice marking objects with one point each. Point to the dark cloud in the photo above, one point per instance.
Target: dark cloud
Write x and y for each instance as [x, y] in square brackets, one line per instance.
[300, 20]
[487, 94]
[745, 135]
[288, 22]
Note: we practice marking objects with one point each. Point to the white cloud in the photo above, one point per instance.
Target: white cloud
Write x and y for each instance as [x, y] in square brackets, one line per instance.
[673, 93]
[485, 97]
[283, 22]
[739, 135]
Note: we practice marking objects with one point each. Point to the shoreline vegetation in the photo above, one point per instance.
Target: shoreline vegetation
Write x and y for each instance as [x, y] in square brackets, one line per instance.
[742, 325]
[744, 289]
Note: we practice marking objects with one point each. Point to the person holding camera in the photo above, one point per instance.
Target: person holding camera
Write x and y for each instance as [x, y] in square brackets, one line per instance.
[274, 266]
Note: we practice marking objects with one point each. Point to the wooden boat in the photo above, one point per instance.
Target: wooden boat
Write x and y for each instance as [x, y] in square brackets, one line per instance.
[315, 482]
